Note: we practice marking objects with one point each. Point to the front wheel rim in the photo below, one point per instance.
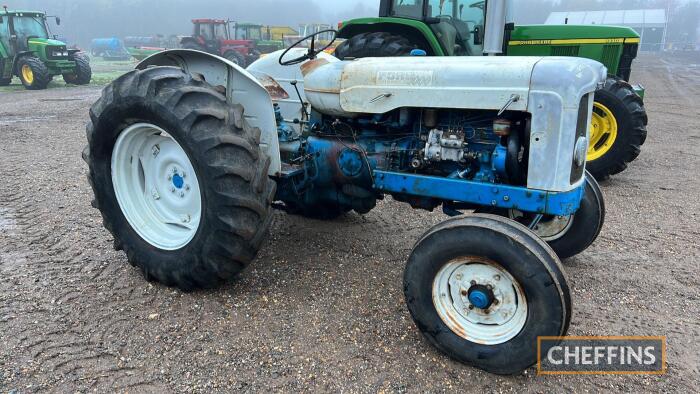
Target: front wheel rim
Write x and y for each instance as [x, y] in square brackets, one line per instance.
[549, 229]
[480, 301]
[156, 186]
[27, 74]
[604, 130]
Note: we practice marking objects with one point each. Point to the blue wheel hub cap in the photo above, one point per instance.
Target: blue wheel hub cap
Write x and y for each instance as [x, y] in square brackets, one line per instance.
[480, 297]
[178, 181]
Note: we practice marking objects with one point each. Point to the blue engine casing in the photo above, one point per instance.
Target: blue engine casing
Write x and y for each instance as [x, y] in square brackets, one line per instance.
[426, 158]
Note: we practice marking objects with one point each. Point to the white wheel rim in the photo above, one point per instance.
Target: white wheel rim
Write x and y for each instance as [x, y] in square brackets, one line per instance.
[500, 322]
[156, 186]
[550, 228]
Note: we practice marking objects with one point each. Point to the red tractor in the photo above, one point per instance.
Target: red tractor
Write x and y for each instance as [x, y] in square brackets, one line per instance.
[214, 36]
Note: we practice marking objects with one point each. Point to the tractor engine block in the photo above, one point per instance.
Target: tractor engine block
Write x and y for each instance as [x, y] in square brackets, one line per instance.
[338, 157]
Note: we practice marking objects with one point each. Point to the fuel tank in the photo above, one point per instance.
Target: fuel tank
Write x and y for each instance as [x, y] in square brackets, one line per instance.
[379, 85]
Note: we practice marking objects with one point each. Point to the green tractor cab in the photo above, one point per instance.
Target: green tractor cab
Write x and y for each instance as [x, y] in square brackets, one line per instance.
[457, 28]
[28, 52]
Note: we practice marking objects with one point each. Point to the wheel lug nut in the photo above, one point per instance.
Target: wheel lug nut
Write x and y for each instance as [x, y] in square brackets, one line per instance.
[497, 277]
[182, 194]
[172, 190]
[471, 307]
[473, 283]
[489, 287]
[496, 302]
[465, 293]
[187, 187]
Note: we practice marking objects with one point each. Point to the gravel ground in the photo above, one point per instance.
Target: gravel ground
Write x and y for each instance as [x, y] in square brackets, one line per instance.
[322, 307]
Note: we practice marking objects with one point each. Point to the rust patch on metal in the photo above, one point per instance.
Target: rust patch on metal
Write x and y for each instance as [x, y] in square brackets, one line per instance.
[332, 91]
[310, 66]
[275, 90]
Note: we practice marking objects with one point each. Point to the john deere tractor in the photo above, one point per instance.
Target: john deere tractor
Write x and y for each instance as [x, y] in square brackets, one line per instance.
[28, 52]
[457, 28]
[260, 35]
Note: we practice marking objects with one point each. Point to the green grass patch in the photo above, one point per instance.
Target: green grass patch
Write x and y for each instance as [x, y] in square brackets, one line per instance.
[103, 73]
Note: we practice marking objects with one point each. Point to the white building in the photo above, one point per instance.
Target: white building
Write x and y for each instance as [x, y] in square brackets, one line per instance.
[650, 24]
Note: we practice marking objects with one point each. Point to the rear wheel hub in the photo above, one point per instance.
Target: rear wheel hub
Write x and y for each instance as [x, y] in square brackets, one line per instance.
[27, 74]
[604, 129]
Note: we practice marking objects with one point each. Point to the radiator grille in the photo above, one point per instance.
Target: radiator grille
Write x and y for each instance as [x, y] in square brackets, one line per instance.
[566, 50]
[610, 55]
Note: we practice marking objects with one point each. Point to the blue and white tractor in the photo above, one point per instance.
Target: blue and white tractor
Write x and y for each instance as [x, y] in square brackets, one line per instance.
[189, 154]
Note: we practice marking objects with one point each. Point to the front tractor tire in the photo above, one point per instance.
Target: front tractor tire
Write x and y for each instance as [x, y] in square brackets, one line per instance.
[82, 74]
[179, 177]
[618, 131]
[568, 236]
[33, 73]
[482, 289]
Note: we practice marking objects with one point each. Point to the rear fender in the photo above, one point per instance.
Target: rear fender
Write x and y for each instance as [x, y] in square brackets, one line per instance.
[241, 88]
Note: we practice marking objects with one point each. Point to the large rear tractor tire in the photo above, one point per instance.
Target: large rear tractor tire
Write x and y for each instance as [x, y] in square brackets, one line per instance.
[179, 177]
[482, 289]
[33, 73]
[618, 130]
[379, 44]
[82, 74]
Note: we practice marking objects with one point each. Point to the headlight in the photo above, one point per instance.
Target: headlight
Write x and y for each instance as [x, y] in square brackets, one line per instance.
[581, 151]
[59, 53]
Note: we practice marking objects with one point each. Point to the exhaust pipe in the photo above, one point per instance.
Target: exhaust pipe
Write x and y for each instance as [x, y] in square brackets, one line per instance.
[496, 12]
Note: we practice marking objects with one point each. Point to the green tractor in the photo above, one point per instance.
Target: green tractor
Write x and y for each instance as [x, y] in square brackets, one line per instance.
[457, 28]
[28, 52]
[260, 35]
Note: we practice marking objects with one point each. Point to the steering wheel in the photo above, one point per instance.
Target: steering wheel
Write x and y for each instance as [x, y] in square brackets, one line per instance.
[312, 53]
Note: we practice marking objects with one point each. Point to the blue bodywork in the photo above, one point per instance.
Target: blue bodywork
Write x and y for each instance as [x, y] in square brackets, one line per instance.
[480, 193]
[353, 163]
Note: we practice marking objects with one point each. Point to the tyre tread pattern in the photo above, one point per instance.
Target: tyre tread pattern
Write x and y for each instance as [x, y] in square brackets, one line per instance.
[378, 44]
[83, 72]
[238, 191]
[42, 77]
[632, 137]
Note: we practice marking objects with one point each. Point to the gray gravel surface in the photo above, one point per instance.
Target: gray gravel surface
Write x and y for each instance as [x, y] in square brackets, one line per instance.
[322, 307]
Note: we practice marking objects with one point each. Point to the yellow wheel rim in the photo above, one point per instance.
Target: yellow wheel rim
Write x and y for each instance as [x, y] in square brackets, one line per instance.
[27, 74]
[604, 130]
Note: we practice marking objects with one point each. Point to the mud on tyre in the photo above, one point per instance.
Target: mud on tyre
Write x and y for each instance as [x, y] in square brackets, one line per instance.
[188, 125]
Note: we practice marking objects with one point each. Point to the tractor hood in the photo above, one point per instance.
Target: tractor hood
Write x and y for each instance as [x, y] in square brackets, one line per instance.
[379, 85]
[46, 42]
